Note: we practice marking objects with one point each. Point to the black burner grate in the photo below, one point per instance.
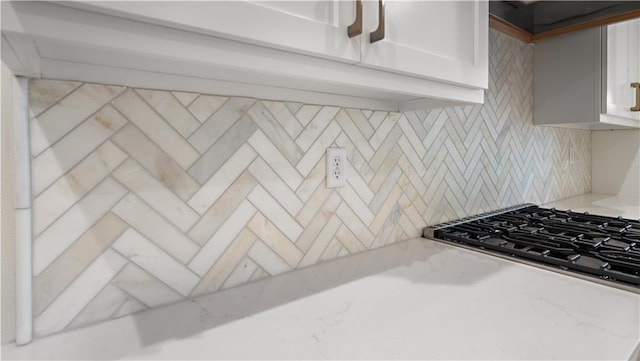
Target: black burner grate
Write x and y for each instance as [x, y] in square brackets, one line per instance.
[599, 246]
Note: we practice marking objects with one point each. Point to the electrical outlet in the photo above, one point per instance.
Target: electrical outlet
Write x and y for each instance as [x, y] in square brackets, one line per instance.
[336, 167]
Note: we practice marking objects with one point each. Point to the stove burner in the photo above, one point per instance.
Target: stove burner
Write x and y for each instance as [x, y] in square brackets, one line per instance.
[598, 246]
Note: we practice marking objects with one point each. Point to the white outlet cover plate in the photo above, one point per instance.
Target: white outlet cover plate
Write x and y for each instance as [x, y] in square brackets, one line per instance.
[336, 167]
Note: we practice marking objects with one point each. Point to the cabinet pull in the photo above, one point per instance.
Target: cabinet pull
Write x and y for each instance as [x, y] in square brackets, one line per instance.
[355, 29]
[637, 107]
[378, 34]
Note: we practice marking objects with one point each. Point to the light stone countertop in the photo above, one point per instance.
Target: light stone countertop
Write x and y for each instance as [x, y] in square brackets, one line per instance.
[418, 299]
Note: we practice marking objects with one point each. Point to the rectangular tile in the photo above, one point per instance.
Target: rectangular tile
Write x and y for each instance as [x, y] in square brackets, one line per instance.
[157, 129]
[315, 225]
[287, 120]
[381, 194]
[150, 190]
[317, 125]
[217, 275]
[77, 220]
[49, 284]
[154, 227]
[317, 248]
[354, 201]
[349, 240]
[359, 185]
[209, 193]
[218, 243]
[223, 119]
[202, 106]
[241, 274]
[44, 93]
[71, 302]
[383, 130]
[311, 207]
[412, 137]
[185, 98]
[222, 208]
[67, 190]
[355, 225]
[306, 113]
[53, 124]
[263, 146]
[214, 157]
[331, 251]
[264, 202]
[318, 149]
[412, 156]
[154, 260]
[80, 142]
[271, 182]
[102, 307]
[316, 178]
[144, 287]
[171, 110]
[352, 131]
[266, 258]
[276, 134]
[386, 209]
[361, 122]
[277, 241]
[156, 161]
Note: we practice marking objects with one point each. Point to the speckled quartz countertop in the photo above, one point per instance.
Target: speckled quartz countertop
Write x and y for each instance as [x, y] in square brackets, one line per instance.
[418, 299]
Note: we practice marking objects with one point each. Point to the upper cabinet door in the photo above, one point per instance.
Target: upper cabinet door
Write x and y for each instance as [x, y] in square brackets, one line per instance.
[442, 40]
[623, 68]
[317, 28]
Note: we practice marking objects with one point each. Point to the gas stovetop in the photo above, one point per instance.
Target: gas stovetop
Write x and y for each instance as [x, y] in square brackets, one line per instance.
[607, 248]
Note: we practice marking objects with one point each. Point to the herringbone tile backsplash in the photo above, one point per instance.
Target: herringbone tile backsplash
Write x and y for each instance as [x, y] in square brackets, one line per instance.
[144, 198]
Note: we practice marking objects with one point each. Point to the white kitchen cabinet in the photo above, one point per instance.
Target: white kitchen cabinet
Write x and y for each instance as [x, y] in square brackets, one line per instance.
[433, 54]
[584, 79]
[445, 40]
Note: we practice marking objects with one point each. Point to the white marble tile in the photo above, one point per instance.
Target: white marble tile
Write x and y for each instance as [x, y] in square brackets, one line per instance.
[271, 182]
[317, 248]
[316, 223]
[412, 156]
[277, 241]
[150, 190]
[263, 146]
[293, 106]
[216, 245]
[224, 266]
[43, 93]
[144, 287]
[317, 125]
[283, 115]
[318, 149]
[263, 201]
[331, 251]
[386, 209]
[171, 110]
[67, 229]
[152, 259]
[352, 131]
[202, 107]
[241, 274]
[215, 126]
[67, 190]
[222, 208]
[412, 175]
[353, 222]
[307, 112]
[101, 307]
[156, 128]
[313, 180]
[53, 124]
[154, 227]
[66, 307]
[130, 306]
[266, 258]
[312, 205]
[156, 161]
[359, 184]
[276, 134]
[52, 281]
[354, 201]
[80, 142]
[209, 193]
[412, 136]
[361, 121]
[224, 147]
[376, 118]
[185, 98]
[381, 194]
[349, 240]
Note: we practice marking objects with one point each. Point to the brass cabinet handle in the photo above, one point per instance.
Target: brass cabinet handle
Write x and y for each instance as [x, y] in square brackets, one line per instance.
[355, 29]
[637, 107]
[378, 34]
